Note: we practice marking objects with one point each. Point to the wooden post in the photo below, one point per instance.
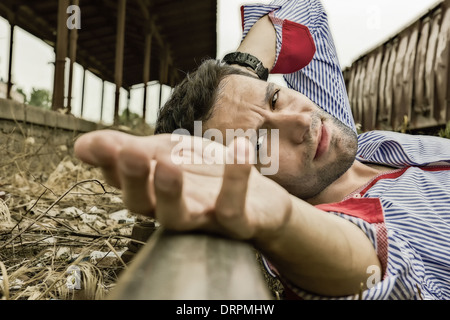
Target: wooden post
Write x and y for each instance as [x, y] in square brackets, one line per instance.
[72, 56]
[103, 100]
[144, 103]
[10, 62]
[191, 266]
[128, 106]
[146, 73]
[163, 73]
[82, 92]
[61, 54]
[160, 94]
[164, 66]
[120, 39]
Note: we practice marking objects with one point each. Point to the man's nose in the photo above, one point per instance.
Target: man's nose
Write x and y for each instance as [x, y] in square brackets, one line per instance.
[294, 127]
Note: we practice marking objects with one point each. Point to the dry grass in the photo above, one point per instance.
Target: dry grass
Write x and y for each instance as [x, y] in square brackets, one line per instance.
[56, 215]
[60, 225]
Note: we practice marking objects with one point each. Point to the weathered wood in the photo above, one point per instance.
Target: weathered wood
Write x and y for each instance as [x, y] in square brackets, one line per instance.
[83, 88]
[146, 72]
[10, 61]
[191, 266]
[413, 80]
[60, 57]
[73, 38]
[120, 41]
[102, 103]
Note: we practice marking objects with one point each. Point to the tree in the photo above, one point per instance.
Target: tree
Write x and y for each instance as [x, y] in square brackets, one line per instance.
[445, 132]
[20, 90]
[129, 118]
[40, 98]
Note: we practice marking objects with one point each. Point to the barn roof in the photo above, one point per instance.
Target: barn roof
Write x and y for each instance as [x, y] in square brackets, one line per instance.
[184, 32]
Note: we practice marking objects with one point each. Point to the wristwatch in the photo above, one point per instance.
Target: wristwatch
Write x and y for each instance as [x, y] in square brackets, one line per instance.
[247, 60]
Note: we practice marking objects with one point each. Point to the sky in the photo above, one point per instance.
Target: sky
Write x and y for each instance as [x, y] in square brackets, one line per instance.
[357, 26]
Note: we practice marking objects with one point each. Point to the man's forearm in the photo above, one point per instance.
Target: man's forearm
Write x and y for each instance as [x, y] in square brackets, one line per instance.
[261, 42]
[320, 252]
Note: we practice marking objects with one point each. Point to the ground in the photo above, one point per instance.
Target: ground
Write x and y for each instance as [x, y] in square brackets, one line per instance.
[62, 228]
[54, 217]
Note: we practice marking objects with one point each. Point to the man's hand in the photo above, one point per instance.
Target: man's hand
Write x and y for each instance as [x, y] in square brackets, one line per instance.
[314, 250]
[230, 198]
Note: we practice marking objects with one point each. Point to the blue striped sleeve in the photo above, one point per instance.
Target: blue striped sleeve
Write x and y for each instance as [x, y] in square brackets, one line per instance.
[399, 150]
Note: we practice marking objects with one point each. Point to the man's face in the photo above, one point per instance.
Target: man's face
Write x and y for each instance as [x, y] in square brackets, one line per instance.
[314, 148]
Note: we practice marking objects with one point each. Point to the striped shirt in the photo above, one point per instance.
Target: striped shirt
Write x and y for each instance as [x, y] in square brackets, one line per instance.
[405, 212]
[321, 80]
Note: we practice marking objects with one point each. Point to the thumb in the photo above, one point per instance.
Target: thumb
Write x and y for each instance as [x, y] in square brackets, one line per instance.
[231, 201]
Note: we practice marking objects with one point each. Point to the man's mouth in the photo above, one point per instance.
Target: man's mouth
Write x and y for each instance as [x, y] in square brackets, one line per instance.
[323, 141]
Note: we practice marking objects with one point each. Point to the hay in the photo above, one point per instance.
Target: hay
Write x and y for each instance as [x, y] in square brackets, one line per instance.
[5, 215]
[57, 226]
[62, 229]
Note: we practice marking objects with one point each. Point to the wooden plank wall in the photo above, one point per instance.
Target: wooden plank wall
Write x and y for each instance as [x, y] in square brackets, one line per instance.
[403, 84]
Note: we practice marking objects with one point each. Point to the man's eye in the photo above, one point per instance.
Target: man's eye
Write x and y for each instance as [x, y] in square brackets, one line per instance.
[274, 100]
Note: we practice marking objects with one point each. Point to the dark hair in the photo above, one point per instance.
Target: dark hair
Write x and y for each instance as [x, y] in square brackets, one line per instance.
[194, 98]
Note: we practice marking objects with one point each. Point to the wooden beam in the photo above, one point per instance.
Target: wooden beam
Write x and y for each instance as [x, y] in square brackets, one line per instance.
[191, 266]
[160, 95]
[102, 101]
[147, 56]
[163, 73]
[159, 39]
[10, 61]
[164, 66]
[118, 77]
[144, 103]
[61, 54]
[73, 57]
[82, 92]
[146, 72]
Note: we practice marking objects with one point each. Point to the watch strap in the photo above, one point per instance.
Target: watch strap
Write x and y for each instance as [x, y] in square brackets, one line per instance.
[247, 60]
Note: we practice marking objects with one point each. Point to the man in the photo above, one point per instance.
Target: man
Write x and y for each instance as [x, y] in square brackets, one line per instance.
[328, 222]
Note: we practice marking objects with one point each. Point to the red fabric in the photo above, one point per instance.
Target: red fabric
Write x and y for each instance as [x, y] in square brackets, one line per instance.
[368, 209]
[371, 211]
[382, 246]
[242, 16]
[436, 168]
[297, 48]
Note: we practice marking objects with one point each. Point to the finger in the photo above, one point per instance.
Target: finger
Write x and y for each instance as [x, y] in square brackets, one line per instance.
[100, 149]
[134, 168]
[96, 148]
[230, 204]
[168, 184]
[171, 208]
